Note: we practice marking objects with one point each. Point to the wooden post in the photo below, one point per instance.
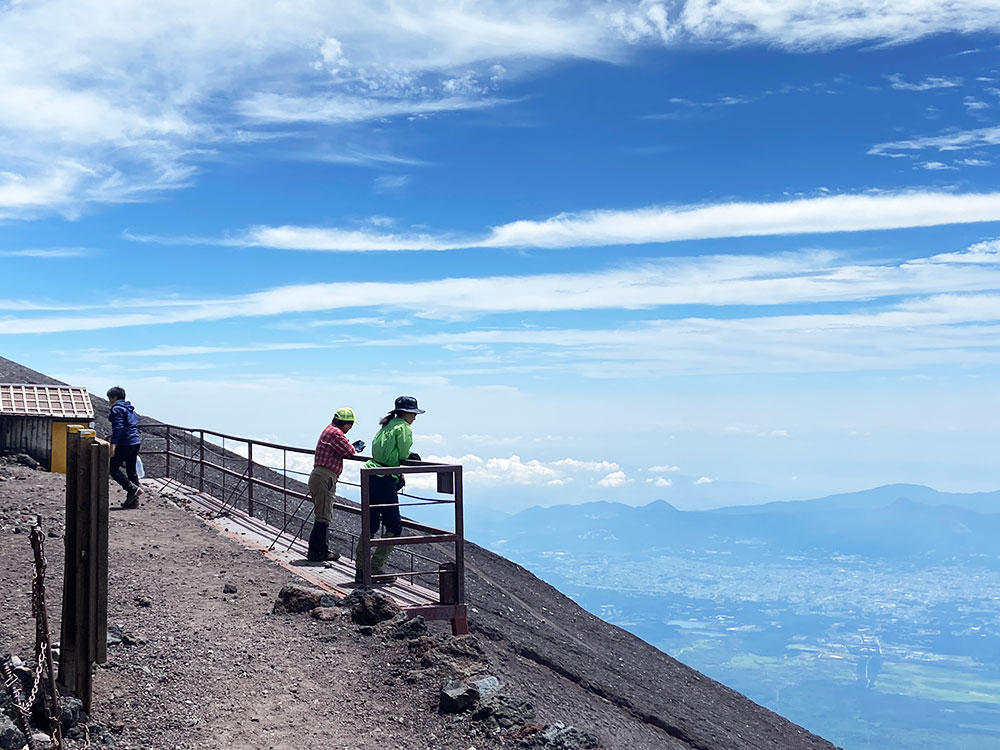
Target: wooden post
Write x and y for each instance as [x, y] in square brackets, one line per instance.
[81, 576]
[100, 456]
[85, 584]
[68, 635]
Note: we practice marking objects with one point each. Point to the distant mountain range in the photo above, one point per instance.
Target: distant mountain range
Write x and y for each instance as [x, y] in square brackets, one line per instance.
[894, 520]
[879, 497]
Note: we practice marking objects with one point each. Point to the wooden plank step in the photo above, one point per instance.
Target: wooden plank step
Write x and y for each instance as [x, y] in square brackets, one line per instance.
[254, 533]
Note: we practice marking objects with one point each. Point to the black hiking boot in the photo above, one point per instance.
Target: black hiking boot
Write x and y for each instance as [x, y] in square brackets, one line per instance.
[318, 549]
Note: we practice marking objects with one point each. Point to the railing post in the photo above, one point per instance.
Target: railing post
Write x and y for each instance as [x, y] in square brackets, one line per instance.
[223, 459]
[459, 538]
[201, 463]
[366, 531]
[167, 457]
[249, 478]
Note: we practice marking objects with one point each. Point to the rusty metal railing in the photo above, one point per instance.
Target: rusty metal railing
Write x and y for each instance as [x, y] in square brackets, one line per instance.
[208, 458]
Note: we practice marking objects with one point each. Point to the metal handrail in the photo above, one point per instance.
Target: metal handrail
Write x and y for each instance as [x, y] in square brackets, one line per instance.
[426, 534]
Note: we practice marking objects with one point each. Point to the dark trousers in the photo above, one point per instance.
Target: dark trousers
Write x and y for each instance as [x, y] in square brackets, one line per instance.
[123, 466]
[381, 490]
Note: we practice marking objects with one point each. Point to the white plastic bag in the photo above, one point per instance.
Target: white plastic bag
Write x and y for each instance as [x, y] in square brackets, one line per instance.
[140, 472]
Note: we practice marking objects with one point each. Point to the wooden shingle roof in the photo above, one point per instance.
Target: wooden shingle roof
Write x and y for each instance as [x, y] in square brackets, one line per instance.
[62, 401]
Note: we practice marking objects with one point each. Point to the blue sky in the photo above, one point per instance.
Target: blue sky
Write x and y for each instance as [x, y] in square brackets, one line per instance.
[709, 252]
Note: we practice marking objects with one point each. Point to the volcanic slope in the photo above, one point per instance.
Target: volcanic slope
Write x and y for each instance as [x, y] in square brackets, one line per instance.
[571, 665]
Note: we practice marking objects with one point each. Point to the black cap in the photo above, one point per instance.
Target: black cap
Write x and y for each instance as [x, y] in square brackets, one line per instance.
[407, 403]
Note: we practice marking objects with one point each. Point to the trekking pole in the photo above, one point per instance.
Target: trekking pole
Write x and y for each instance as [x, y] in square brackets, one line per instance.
[287, 519]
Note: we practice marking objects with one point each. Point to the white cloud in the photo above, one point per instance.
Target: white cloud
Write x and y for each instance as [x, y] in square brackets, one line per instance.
[972, 104]
[799, 24]
[279, 108]
[164, 350]
[49, 252]
[571, 464]
[665, 469]
[981, 252]
[660, 481]
[813, 276]
[948, 142]
[108, 101]
[831, 213]
[515, 470]
[346, 240]
[614, 479]
[976, 162]
[935, 165]
[930, 82]
[704, 480]
[841, 213]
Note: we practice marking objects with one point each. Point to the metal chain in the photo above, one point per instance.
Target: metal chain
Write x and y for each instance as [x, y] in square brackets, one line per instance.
[36, 611]
[43, 658]
[13, 687]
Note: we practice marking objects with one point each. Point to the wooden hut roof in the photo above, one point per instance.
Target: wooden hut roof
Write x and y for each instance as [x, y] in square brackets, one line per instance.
[62, 401]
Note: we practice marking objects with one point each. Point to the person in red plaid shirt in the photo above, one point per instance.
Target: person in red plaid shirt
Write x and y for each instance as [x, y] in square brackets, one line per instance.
[331, 450]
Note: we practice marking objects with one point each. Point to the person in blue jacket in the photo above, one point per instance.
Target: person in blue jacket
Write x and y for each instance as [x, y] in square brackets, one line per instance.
[125, 444]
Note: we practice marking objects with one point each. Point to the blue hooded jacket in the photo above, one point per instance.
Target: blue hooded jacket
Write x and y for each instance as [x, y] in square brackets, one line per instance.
[124, 424]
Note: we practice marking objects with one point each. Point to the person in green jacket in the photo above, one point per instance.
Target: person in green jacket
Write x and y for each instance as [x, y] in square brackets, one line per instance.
[390, 447]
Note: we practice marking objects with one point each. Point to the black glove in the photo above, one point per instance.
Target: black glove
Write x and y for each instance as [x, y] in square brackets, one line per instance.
[359, 445]
[413, 457]
[400, 481]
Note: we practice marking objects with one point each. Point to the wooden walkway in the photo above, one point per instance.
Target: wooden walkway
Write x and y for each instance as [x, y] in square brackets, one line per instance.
[255, 534]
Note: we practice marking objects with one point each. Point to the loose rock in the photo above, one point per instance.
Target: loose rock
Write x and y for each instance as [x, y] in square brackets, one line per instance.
[72, 712]
[11, 737]
[488, 686]
[369, 607]
[558, 736]
[456, 696]
[296, 598]
[409, 629]
[229, 588]
[327, 614]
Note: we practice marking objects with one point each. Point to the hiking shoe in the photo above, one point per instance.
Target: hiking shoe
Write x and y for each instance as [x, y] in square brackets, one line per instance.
[383, 581]
[324, 557]
[131, 503]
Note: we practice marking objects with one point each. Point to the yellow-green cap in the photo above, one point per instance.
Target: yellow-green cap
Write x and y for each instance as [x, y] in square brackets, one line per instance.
[344, 415]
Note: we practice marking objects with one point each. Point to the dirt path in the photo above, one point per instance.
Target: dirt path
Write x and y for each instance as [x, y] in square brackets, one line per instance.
[216, 670]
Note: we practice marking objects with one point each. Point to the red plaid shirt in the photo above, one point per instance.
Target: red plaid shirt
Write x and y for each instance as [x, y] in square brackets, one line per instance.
[331, 449]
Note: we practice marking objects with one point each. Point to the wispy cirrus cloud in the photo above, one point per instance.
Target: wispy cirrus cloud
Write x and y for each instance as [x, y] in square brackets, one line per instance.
[955, 141]
[49, 252]
[930, 82]
[791, 278]
[798, 25]
[836, 213]
[112, 101]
